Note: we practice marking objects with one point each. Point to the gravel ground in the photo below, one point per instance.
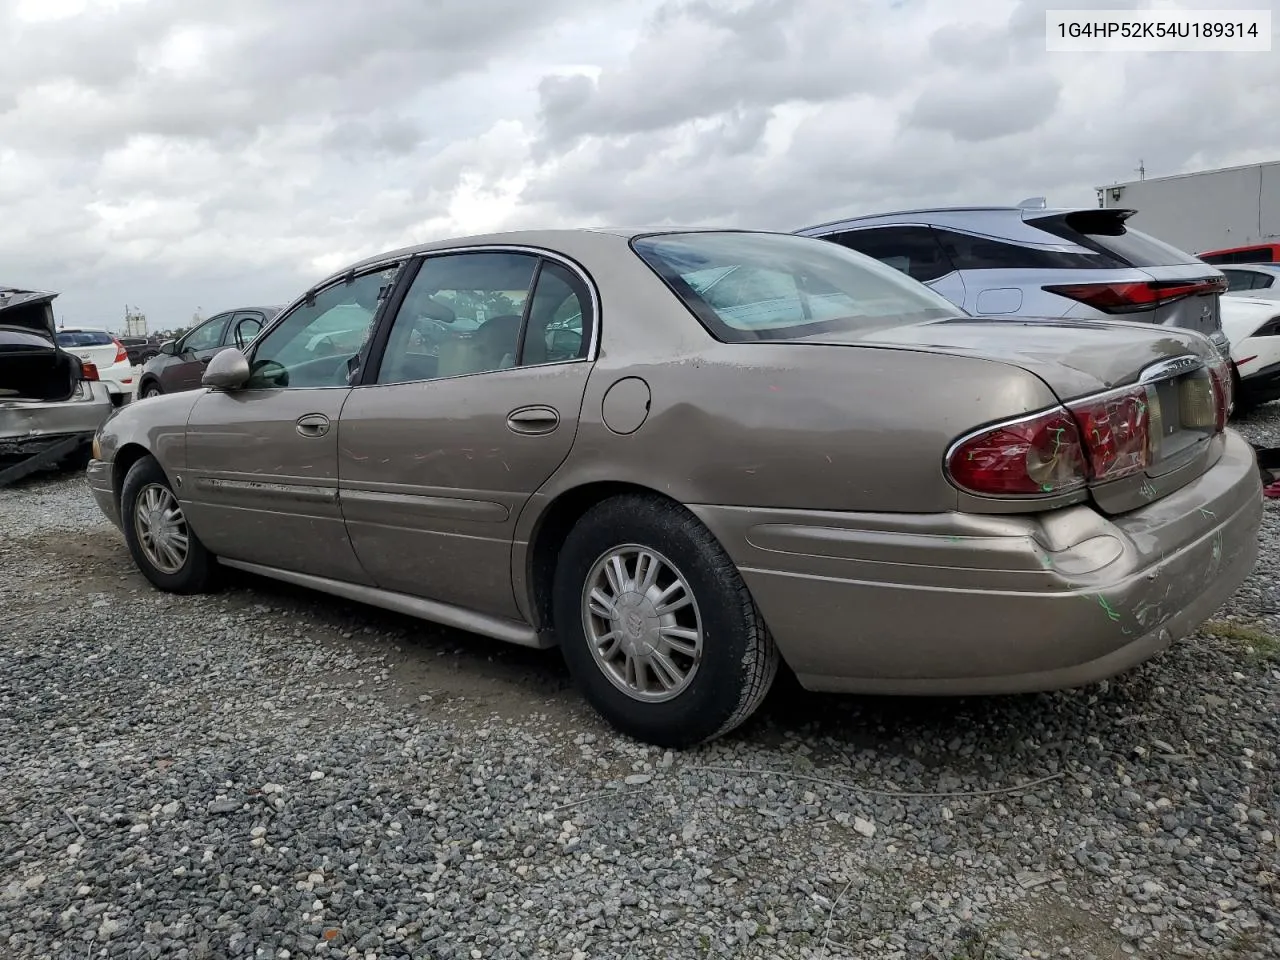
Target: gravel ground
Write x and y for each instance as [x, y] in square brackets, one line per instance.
[268, 773]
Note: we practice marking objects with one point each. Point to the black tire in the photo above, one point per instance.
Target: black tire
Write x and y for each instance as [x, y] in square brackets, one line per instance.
[198, 570]
[149, 389]
[739, 659]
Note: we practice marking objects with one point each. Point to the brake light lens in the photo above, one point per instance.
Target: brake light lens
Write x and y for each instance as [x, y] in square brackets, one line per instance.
[1135, 297]
[1116, 430]
[88, 371]
[1036, 456]
[122, 355]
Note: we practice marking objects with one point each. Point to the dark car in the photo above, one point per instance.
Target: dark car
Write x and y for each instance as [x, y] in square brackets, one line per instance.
[179, 364]
[140, 349]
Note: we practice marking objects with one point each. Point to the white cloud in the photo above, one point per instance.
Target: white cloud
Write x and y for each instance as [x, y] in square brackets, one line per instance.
[184, 153]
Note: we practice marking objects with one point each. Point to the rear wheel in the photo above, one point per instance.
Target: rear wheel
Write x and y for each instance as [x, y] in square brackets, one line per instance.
[162, 544]
[656, 625]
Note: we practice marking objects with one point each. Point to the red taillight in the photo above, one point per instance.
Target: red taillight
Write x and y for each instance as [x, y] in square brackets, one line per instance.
[1097, 439]
[88, 371]
[122, 355]
[1134, 297]
[1037, 455]
[1223, 393]
[1116, 428]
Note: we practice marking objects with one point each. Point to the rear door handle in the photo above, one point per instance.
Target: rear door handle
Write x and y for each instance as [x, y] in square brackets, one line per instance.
[313, 425]
[533, 420]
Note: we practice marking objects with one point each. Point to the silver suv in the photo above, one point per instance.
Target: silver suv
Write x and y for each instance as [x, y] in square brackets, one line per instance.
[1034, 261]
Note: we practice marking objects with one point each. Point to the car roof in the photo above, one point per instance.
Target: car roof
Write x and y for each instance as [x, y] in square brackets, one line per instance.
[947, 215]
[551, 239]
[277, 309]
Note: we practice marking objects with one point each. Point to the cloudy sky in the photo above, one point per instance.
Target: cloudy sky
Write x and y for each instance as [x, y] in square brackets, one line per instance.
[199, 154]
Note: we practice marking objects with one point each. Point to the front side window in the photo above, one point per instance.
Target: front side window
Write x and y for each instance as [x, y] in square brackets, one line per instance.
[759, 286]
[206, 336]
[320, 343]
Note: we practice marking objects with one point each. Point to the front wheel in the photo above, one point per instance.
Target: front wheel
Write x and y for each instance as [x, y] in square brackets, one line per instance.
[162, 544]
[656, 625]
[151, 390]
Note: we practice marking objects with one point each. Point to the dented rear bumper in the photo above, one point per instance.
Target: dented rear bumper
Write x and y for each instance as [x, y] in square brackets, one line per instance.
[965, 604]
[27, 425]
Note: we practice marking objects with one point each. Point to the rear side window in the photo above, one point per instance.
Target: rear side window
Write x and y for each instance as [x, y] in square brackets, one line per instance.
[969, 252]
[912, 250]
[1239, 280]
[745, 287]
[1104, 231]
[84, 338]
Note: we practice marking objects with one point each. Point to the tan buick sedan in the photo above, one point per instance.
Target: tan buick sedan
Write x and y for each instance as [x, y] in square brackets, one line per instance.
[686, 456]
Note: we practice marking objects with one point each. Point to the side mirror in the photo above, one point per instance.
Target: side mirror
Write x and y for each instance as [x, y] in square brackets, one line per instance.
[169, 347]
[228, 370]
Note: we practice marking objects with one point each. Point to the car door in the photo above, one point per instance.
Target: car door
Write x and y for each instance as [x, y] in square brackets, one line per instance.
[192, 354]
[262, 461]
[914, 250]
[446, 440]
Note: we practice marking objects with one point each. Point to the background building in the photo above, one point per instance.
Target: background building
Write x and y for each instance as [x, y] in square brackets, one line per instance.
[1229, 207]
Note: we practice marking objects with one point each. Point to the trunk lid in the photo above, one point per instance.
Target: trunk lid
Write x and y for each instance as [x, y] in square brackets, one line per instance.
[1082, 358]
[27, 309]
[1074, 357]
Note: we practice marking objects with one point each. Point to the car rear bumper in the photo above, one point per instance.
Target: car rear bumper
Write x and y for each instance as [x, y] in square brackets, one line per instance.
[965, 604]
[24, 421]
[98, 476]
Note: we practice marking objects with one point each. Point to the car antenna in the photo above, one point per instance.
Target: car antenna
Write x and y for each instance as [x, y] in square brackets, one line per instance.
[1034, 203]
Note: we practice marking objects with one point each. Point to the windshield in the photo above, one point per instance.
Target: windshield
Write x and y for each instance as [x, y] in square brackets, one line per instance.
[766, 286]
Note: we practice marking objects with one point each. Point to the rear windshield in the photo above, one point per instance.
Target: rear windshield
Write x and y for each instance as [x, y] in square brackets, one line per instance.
[764, 286]
[1106, 233]
[84, 338]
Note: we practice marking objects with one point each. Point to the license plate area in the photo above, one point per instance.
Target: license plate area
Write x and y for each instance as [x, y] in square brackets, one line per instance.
[1181, 419]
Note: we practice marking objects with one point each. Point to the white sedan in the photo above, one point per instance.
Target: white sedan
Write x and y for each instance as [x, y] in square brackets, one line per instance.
[1252, 324]
[107, 354]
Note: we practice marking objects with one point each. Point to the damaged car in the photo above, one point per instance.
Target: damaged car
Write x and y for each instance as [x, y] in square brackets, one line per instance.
[687, 457]
[51, 402]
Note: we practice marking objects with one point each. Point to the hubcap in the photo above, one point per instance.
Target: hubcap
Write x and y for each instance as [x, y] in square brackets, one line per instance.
[161, 528]
[642, 622]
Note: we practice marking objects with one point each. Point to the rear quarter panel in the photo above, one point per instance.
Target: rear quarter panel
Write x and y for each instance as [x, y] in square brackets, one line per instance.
[804, 426]
[797, 425]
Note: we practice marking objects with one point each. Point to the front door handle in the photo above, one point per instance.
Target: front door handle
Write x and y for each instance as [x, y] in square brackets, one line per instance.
[313, 425]
[533, 420]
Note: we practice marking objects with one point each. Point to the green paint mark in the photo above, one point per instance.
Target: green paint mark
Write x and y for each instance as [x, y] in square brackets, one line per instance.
[1057, 439]
[1110, 611]
[1047, 488]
